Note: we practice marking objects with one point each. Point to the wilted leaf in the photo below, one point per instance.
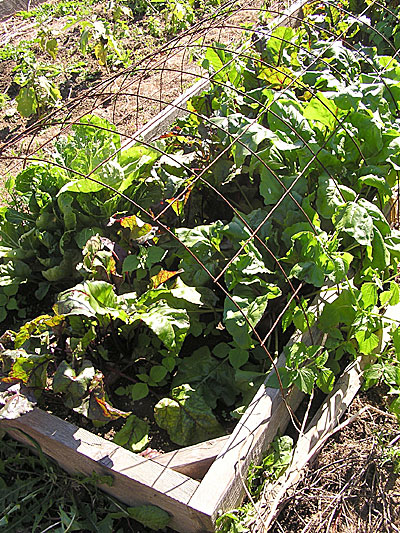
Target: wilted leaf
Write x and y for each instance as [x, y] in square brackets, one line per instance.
[139, 231]
[36, 326]
[15, 400]
[162, 277]
[31, 369]
[96, 407]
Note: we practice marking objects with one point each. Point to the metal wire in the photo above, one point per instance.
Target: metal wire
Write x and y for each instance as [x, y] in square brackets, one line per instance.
[131, 81]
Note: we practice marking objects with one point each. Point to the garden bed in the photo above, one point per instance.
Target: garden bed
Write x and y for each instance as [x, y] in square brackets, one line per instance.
[201, 252]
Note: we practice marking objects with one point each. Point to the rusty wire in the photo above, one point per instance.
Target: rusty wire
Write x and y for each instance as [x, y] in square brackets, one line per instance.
[131, 82]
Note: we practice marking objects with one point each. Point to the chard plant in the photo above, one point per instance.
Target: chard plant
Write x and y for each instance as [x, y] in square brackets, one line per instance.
[170, 266]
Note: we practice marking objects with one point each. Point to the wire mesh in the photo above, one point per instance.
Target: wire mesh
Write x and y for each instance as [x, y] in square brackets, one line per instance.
[230, 183]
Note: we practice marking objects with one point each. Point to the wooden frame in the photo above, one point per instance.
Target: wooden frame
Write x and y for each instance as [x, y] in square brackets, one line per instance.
[170, 481]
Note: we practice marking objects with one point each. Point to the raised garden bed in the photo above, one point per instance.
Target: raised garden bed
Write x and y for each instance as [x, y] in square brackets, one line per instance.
[271, 188]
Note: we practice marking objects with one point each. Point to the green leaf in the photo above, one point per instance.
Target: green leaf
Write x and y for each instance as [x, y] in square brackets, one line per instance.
[341, 311]
[26, 101]
[187, 417]
[213, 378]
[367, 341]
[243, 312]
[51, 47]
[355, 220]
[309, 272]
[131, 263]
[238, 357]
[392, 296]
[91, 299]
[305, 380]
[331, 194]
[372, 375]
[134, 435]
[369, 295]
[74, 387]
[322, 110]
[139, 391]
[158, 373]
[168, 323]
[150, 516]
[204, 242]
[325, 380]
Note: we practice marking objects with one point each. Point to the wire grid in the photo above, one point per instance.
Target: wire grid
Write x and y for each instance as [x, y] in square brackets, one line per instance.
[169, 65]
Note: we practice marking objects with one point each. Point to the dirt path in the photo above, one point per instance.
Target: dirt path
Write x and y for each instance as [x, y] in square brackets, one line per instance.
[128, 98]
[9, 7]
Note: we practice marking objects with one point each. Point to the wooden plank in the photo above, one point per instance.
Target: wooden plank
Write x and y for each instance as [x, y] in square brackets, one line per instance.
[320, 428]
[193, 461]
[136, 480]
[178, 108]
[222, 486]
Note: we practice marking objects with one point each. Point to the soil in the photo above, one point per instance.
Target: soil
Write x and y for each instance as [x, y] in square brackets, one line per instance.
[353, 485]
[127, 97]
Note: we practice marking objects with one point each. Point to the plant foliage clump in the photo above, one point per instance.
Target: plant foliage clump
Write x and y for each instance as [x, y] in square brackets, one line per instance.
[169, 264]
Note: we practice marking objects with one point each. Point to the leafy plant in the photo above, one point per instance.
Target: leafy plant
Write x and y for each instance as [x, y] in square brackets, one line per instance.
[273, 465]
[38, 90]
[301, 135]
[100, 36]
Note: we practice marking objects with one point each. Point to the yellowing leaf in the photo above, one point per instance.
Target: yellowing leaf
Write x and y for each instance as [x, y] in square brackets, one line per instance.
[162, 277]
[100, 53]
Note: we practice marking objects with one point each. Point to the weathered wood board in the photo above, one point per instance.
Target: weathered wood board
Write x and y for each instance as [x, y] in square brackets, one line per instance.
[165, 481]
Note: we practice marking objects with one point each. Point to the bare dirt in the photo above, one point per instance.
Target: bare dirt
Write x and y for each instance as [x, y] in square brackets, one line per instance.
[127, 97]
[353, 485]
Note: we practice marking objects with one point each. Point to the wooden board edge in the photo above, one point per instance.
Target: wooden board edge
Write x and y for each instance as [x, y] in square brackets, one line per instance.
[136, 480]
[193, 461]
[222, 486]
[320, 428]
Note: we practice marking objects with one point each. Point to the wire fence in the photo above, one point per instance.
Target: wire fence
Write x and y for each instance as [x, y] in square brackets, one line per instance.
[244, 192]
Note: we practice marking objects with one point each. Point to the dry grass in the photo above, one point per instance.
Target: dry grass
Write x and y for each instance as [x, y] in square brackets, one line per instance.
[352, 487]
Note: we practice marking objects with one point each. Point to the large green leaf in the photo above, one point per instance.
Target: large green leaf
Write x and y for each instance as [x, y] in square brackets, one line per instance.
[355, 220]
[322, 110]
[244, 310]
[204, 242]
[331, 194]
[211, 377]
[134, 435]
[187, 417]
[169, 324]
[91, 299]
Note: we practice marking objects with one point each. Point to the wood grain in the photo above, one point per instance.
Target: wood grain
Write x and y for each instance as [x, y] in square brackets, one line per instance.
[193, 461]
[222, 486]
[136, 480]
